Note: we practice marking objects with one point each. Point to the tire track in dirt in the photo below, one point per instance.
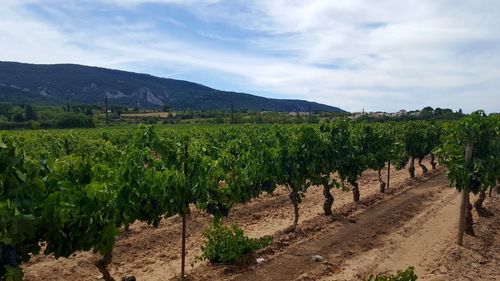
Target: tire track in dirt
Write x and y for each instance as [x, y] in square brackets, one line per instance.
[337, 244]
[419, 243]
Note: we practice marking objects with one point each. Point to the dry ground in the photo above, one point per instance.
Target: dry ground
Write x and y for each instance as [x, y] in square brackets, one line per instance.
[412, 224]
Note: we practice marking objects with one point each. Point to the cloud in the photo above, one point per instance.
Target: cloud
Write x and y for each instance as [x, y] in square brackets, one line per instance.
[354, 54]
[177, 2]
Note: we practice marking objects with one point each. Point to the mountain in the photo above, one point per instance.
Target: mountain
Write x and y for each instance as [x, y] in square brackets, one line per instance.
[79, 84]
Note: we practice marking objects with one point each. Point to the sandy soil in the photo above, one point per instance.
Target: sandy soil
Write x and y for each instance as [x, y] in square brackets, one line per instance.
[479, 259]
[413, 223]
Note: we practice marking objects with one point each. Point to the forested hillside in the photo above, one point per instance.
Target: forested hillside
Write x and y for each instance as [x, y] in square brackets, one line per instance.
[78, 84]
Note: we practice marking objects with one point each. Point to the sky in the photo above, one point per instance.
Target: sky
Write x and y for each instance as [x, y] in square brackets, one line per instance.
[381, 55]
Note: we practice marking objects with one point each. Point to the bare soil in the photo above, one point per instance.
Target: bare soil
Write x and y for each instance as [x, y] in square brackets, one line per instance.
[413, 223]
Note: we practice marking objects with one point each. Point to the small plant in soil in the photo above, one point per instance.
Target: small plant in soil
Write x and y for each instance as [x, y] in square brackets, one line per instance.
[407, 275]
[227, 244]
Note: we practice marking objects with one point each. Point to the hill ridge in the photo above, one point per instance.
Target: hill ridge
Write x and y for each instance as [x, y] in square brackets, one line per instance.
[79, 84]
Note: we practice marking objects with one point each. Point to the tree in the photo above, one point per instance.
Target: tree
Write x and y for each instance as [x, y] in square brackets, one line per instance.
[470, 151]
[418, 139]
[30, 114]
[380, 145]
[350, 156]
[71, 120]
[17, 117]
[334, 142]
[20, 208]
[297, 163]
[88, 111]
[427, 112]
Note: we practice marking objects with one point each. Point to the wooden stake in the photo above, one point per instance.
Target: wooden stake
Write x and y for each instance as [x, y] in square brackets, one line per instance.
[464, 196]
[388, 173]
[183, 241]
[183, 258]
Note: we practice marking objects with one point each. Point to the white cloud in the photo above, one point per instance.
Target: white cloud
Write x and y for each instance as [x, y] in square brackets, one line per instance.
[133, 3]
[352, 54]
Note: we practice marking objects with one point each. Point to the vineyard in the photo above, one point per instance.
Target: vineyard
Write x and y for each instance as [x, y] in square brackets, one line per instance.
[65, 192]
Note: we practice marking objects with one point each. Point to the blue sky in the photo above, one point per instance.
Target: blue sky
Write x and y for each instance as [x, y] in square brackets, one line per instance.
[354, 54]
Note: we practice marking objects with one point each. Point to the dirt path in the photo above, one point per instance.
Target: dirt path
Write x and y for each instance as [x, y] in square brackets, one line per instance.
[337, 243]
[427, 242]
[420, 242]
[479, 258]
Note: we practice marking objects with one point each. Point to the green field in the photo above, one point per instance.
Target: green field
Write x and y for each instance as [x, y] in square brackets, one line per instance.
[75, 189]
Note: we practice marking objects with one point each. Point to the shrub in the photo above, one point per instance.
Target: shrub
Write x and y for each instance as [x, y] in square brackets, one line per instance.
[407, 275]
[224, 244]
[72, 120]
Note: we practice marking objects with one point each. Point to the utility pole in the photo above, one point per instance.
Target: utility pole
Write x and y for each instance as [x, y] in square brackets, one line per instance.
[309, 113]
[106, 106]
[232, 112]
